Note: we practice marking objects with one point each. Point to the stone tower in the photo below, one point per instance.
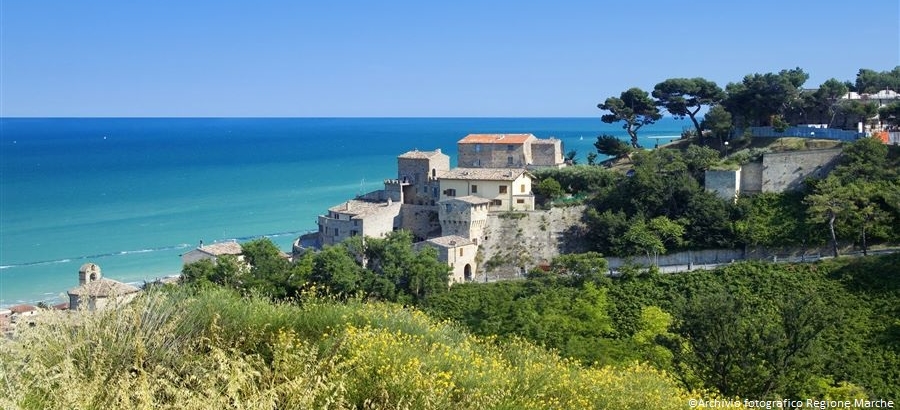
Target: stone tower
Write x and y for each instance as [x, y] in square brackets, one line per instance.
[418, 171]
[464, 216]
[89, 272]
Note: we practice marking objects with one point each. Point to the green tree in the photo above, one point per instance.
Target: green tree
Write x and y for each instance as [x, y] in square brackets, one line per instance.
[611, 146]
[865, 159]
[335, 269]
[605, 229]
[860, 111]
[698, 159]
[871, 81]
[402, 274]
[200, 272]
[634, 107]
[890, 114]
[864, 213]
[549, 188]
[571, 157]
[830, 201]
[760, 98]
[685, 97]
[718, 122]
[652, 328]
[827, 97]
[746, 349]
[582, 265]
[773, 219]
[229, 271]
[269, 267]
[651, 237]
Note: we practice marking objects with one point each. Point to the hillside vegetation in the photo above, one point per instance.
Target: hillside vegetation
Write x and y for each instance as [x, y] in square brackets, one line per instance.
[759, 330]
[213, 349]
[661, 204]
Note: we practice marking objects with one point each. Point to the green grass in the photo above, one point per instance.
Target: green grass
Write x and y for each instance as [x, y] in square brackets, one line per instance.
[185, 349]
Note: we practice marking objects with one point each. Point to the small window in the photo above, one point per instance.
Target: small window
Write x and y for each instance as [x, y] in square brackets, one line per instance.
[460, 251]
[509, 148]
[502, 189]
[509, 160]
[450, 192]
[496, 202]
[520, 201]
[477, 147]
[337, 231]
[522, 188]
[354, 233]
[474, 189]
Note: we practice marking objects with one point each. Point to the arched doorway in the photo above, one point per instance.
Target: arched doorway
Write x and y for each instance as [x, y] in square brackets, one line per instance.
[467, 273]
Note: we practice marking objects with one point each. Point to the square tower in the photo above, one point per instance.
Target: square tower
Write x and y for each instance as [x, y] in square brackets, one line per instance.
[417, 172]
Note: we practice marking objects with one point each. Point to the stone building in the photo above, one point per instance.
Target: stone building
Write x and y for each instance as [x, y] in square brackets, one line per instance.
[96, 292]
[459, 252]
[417, 172]
[508, 189]
[508, 151]
[464, 216]
[449, 206]
[213, 252]
[358, 217]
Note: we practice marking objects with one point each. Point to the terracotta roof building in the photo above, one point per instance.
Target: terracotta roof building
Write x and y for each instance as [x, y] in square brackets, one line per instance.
[508, 150]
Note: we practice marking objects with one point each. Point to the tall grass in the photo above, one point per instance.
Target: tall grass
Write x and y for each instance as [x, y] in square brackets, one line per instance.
[179, 349]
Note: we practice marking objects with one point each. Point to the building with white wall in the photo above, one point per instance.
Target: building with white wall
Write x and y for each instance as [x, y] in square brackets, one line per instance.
[508, 189]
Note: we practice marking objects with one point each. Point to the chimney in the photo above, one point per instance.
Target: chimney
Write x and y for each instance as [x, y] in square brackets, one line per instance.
[390, 201]
[438, 150]
[347, 206]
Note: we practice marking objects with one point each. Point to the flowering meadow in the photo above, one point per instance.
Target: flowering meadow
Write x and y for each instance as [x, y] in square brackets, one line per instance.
[187, 349]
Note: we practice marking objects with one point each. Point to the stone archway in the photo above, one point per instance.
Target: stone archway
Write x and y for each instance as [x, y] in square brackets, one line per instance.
[467, 273]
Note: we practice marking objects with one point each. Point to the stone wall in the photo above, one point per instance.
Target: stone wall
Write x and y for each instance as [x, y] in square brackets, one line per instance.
[726, 184]
[463, 219]
[687, 258]
[537, 237]
[778, 172]
[547, 153]
[494, 155]
[785, 171]
[421, 220]
[751, 178]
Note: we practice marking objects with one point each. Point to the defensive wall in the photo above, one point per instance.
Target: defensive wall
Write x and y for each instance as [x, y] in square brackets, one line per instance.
[778, 172]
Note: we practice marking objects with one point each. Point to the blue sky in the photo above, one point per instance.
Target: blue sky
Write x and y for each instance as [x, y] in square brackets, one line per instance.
[412, 58]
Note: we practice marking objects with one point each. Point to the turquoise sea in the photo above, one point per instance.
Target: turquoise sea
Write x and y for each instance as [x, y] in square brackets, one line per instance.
[132, 194]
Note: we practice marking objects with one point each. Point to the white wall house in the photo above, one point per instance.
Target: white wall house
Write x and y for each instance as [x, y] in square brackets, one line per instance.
[508, 189]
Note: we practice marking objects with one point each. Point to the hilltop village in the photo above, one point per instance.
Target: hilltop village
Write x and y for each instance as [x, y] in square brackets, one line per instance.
[444, 207]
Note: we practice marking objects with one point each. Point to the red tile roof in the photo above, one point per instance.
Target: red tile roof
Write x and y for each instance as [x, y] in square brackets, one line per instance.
[23, 308]
[496, 138]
